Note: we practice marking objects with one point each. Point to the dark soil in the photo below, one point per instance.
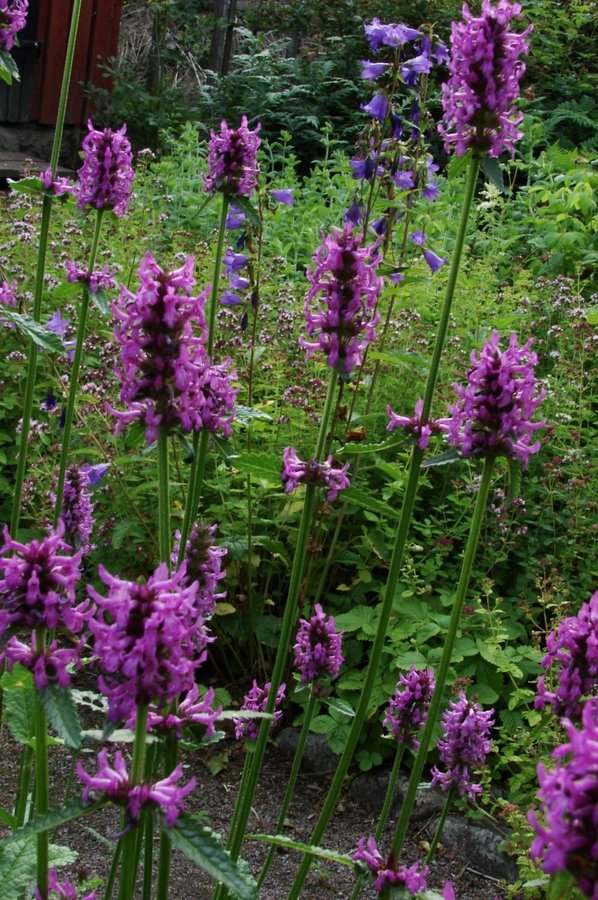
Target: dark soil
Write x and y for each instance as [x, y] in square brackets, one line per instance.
[215, 794]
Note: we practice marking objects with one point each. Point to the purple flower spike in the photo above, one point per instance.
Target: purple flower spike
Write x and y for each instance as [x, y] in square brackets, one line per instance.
[8, 293]
[572, 659]
[568, 821]
[413, 425]
[13, 15]
[113, 782]
[464, 747]
[495, 409]
[77, 508]
[295, 472]
[203, 559]
[256, 701]
[38, 586]
[106, 176]
[283, 195]
[149, 639]
[408, 709]
[62, 890]
[409, 878]
[434, 261]
[345, 277]
[377, 107]
[232, 160]
[318, 647]
[485, 70]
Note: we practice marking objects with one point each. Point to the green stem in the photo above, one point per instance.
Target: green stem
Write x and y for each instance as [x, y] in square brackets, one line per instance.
[290, 790]
[396, 561]
[148, 855]
[73, 385]
[440, 827]
[113, 869]
[128, 871]
[170, 761]
[243, 804]
[200, 438]
[163, 497]
[40, 270]
[442, 671]
[41, 776]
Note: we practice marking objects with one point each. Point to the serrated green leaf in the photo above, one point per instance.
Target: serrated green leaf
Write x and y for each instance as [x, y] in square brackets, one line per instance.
[341, 706]
[493, 172]
[29, 185]
[8, 68]
[62, 713]
[279, 840]
[18, 864]
[246, 414]
[401, 358]
[205, 848]
[100, 301]
[54, 818]
[19, 700]
[360, 498]
[32, 329]
[261, 465]
[443, 459]
[356, 619]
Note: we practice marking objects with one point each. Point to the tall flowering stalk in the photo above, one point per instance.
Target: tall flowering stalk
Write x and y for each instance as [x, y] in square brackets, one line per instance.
[345, 275]
[318, 660]
[396, 561]
[38, 286]
[105, 180]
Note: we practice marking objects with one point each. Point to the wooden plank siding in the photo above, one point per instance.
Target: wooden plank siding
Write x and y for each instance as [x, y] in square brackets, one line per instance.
[36, 100]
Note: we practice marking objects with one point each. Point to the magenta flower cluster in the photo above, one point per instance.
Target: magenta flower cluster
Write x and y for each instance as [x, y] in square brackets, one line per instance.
[38, 590]
[388, 874]
[464, 746]
[414, 425]
[8, 296]
[149, 639]
[106, 176]
[13, 15]
[318, 647]
[57, 185]
[102, 280]
[189, 711]
[496, 406]
[408, 709]
[256, 700]
[61, 890]
[345, 282]
[166, 376]
[112, 782]
[295, 472]
[567, 824]
[232, 160]
[203, 565]
[572, 661]
[485, 71]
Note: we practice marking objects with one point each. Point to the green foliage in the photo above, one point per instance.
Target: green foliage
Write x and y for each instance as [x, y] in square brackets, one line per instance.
[19, 699]
[18, 865]
[62, 714]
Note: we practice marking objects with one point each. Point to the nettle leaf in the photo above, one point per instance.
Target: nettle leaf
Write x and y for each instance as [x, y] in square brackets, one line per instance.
[246, 414]
[205, 848]
[62, 713]
[443, 459]
[33, 330]
[8, 68]
[29, 185]
[280, 840]
[493, 172]
[53, 819]
[361, 498]
[19, 701]
[18, 862]
[260, 465]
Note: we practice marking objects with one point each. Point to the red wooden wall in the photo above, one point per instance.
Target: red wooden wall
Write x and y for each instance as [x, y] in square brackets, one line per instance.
[97, 38]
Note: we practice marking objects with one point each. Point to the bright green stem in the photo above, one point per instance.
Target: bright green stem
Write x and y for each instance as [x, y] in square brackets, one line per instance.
[70, 407]
[244, 801]
[113, 869]
[396, 561]
[148, 853]
[440, 827]
[41, 776]
[170, 761]
[288, 796]
[200, 438]
[129, 848]
[163, 497]
[442, 671]
[39, 273]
